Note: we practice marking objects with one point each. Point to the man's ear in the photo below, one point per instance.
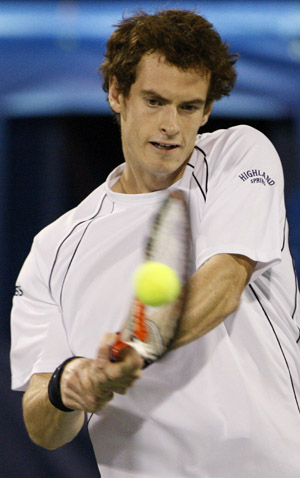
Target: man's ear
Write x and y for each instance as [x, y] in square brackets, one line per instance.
[207, 110]
[114, 96]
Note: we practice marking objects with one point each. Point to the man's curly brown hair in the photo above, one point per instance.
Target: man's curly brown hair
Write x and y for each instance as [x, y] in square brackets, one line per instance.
[186, 40]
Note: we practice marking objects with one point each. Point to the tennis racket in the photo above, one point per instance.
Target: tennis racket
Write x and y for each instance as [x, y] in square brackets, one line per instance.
[149, 330]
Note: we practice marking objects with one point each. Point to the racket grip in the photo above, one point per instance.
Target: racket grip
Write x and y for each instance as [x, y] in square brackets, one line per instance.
[117, 350]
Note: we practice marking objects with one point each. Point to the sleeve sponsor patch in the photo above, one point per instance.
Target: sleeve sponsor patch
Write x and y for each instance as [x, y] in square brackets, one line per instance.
[257, 176]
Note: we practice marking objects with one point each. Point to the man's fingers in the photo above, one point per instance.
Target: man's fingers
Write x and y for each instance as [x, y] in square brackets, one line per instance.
[132, 361]
[107, 342]
[90, 402]
[83, 391]
[88, 384]
[130, 364]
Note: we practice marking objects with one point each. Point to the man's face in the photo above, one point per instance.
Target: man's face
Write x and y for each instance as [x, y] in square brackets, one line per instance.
[160, 119]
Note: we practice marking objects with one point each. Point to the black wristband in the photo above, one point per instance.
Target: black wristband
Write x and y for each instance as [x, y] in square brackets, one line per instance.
[54, 387]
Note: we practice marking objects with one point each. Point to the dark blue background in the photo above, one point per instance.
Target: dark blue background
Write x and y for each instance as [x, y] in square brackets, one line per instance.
[58, 142]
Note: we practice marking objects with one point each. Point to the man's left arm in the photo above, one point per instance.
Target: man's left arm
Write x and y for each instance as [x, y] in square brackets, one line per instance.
[213, 293]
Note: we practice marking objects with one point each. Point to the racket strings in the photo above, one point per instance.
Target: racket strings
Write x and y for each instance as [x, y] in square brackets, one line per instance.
[169, 240]
[150, 329]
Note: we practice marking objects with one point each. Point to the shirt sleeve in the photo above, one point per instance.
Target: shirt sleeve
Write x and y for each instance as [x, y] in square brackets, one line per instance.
[39, 342]
[244, 211]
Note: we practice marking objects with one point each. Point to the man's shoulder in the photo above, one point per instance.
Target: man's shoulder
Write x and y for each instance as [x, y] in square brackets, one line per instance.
[223, 137]
[232, 146]
[53, 234]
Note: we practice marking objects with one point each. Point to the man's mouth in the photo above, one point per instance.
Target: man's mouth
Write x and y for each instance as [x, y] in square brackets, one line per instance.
[165, 146]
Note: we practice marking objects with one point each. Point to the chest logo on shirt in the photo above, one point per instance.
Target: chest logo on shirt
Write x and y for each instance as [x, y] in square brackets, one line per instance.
[257, 176]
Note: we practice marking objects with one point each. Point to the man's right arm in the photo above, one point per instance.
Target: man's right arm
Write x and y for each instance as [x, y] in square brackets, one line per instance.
[86, 385]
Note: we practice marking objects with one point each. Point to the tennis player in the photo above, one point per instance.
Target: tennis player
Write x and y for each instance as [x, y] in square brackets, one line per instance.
[224, 401]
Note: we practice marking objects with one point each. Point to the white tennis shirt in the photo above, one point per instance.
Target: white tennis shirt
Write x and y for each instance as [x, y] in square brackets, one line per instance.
[224, 406]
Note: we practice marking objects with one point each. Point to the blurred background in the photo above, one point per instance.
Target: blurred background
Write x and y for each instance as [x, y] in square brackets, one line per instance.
[58, 142]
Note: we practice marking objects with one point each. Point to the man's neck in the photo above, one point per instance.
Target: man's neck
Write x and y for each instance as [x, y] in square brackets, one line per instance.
[130, 184]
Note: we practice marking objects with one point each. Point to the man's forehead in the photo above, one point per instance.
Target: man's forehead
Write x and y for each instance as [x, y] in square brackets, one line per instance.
[157, 75]
[157, 60]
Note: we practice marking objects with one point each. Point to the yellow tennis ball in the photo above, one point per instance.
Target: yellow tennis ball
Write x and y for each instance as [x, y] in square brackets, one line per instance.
[156, 284]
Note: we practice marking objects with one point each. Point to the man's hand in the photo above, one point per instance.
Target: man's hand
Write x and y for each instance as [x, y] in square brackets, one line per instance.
[88, 384]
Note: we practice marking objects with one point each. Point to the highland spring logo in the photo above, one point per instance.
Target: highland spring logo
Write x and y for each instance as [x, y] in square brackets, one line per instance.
[257, 176]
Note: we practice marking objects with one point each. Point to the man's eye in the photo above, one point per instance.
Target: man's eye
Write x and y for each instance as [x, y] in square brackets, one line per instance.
[153, 102]
[189, 108]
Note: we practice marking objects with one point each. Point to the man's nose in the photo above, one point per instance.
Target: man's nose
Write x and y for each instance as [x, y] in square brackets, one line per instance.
[169, 124]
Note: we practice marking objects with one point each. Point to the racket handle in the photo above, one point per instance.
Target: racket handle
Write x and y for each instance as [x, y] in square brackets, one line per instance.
[117, 350]
[117, 353]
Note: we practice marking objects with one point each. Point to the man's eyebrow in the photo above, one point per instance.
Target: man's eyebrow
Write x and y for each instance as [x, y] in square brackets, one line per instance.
[198, 101]
[154, 94]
